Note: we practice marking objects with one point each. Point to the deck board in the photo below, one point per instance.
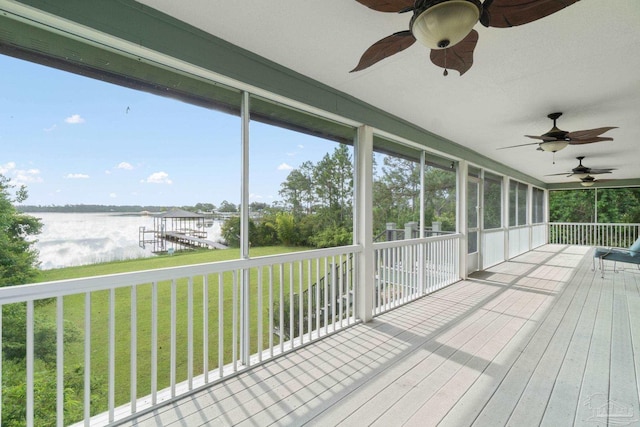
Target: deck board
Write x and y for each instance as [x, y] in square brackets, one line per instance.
[538, 340]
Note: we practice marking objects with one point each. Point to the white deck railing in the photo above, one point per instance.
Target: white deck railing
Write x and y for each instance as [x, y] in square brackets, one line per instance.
[590, 234]
[409, 269]
[155, 335]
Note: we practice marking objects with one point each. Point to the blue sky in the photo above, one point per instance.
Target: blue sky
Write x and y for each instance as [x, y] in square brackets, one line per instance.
[75, 140]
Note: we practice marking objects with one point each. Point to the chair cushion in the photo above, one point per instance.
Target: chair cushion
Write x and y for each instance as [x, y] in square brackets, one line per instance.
[635, 248]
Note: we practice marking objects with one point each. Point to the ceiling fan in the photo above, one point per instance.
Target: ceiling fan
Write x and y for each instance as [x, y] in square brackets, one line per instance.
[557, 139]
[446, 26]
[583, 172]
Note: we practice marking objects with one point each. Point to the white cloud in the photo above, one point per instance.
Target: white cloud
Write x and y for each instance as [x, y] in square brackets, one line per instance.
[125, 166]
[113, 195]
[77, 176]
[159, 178]
[49, 129]
[74, 119]
[27, 176]
[20, 176]
[284, 167]
[7, 167]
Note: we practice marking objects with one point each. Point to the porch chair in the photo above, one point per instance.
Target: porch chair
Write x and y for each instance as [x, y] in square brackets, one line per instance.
[630, 256]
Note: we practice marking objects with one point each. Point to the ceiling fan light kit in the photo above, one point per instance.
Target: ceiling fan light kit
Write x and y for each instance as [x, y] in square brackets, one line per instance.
[553, 146]
[588, 181]
[443, 24]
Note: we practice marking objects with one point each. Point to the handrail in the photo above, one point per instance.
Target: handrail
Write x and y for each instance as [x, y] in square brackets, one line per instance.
[400, 243]
[34, 291]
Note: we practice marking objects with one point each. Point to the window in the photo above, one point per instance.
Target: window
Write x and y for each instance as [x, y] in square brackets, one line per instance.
[301, 178]
[492, 201]
[538, 205]
[517, 203]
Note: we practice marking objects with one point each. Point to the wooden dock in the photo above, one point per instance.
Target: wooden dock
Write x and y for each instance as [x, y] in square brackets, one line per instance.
[175, 230]
[186, 239]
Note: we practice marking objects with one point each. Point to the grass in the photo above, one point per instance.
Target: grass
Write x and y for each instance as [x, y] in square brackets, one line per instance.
[74, 309]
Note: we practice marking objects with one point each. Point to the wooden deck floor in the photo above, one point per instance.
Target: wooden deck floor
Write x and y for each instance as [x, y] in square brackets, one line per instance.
[539, 340]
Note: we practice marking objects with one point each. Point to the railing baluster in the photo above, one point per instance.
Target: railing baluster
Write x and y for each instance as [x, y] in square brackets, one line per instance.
[340, 284]
[221, 325]
[133, 372]
[59, 362]
[205, 328]
[112, 354]
[154, 343]
[326, 296]
[30, 364]
[87, 358]
[281, 308]
[271, 326]
[309, 299]
[260, 308]
[349, 281]
[173, 339]
[190, 332]
[300, 303]
[318, 295]
[291, 306]
[334, 283]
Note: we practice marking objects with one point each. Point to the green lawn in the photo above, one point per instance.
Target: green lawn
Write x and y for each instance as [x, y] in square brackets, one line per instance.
[74, 307]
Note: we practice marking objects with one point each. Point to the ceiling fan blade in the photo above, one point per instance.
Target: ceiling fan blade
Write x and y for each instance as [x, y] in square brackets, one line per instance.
[458, 57]
[388, 5]
[589, 133]
[384, 48]
[589, 141]
[541, 137]
[562, 173]
[520, 145]
[511, 13]
[599, 171]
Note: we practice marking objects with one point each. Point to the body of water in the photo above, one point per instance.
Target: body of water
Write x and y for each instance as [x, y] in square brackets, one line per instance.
[70, 239]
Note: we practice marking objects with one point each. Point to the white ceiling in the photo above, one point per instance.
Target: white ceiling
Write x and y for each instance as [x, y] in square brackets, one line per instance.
[583, 61]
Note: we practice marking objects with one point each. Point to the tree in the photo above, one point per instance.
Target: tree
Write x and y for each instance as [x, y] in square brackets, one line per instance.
[292, 190]
[204, 207]
[227, 207]
[18, 257]
[401, 188]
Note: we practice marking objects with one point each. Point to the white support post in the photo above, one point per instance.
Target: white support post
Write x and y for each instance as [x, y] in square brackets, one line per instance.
[480, 214]
[244, 233]
[545, 211]
[461, 217]
[530, 214]
[421, 248]
[423, 160]
[363, 222]
[505, 215]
